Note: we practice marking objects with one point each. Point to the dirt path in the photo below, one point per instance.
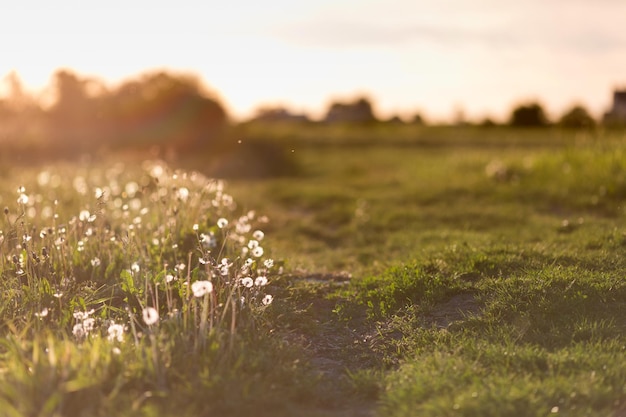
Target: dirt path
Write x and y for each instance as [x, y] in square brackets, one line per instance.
[334, 348]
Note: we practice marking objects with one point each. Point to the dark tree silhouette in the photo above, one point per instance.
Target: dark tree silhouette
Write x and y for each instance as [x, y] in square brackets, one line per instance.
[577, 117]
[357, 112]
[163, 109]
[418, 119]
[528, 115]
[74, 115]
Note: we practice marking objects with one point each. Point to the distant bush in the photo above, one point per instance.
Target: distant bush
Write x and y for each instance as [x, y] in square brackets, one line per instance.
[528, 115]
[357, 112]
[577, 117]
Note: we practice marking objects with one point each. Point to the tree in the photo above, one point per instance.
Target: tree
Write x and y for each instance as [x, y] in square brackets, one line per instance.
[418, 119]
[528, 115]
[164, 109]
[357, 112]
[577, 117]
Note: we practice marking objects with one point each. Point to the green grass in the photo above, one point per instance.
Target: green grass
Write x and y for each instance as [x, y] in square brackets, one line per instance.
[427, 271]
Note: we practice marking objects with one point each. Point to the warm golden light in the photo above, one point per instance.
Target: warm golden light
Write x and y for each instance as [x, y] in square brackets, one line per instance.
[480, 56]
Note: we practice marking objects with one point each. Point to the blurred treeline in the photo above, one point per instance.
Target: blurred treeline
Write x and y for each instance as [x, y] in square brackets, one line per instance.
[168, 115]
[77, 115]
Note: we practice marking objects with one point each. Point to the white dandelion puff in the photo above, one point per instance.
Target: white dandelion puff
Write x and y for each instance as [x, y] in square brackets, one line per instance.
[267, 300]
[88, 324]
[247, 282]
[222, 223]
[84, 215]
[183, 193]
[115, 332]
[200, 288]
[258, 235]
[78, 331]
[83, 315]
[260, 281]
[257, 252]
[150, 316]
[22, 199]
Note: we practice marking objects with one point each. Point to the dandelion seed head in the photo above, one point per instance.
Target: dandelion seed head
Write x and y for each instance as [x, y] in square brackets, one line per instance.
[83, 315]
[200, 288]
[84, 215]
[183, 193]
[88, 324]
[95, 262]
[22, 199]
[150, 316]
[246, 282]
[267, 300]
[260, 281]
[78, 331]
[257, 252]
[269, 263]
[115, 332]
[222, 223]
[258, 235]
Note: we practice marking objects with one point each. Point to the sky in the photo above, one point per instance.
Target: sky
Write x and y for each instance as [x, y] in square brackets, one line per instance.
[441, 59]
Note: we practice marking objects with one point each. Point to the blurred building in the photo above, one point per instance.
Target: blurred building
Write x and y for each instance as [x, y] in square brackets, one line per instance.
[617, 114]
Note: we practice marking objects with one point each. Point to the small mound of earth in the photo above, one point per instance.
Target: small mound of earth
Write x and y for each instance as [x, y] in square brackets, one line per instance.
[455, 309]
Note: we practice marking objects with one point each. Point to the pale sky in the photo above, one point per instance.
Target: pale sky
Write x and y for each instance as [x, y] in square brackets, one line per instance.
[432, 57]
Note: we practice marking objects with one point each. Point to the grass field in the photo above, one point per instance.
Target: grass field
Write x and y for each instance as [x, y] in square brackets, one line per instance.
[410, 272]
